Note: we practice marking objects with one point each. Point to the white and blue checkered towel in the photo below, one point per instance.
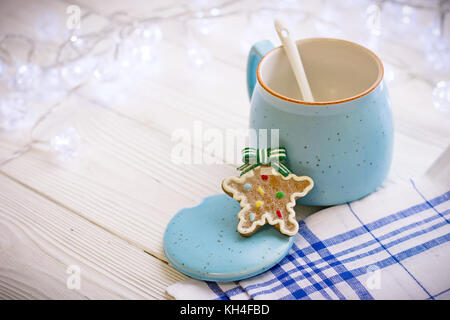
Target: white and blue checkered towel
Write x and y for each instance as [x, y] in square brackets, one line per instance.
[393, 244]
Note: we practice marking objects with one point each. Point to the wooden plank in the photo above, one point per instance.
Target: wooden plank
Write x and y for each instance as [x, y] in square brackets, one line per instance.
[414, 114]
[39, 240]
[125, 182]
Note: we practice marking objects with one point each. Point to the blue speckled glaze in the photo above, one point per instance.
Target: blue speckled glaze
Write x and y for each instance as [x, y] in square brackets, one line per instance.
[346, 148]
[202, 242]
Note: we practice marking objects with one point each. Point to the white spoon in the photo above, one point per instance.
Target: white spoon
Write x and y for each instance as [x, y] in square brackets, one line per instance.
[295, 60]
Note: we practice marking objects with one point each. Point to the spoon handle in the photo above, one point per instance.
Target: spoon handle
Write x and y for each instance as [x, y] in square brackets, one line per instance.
[295, 60]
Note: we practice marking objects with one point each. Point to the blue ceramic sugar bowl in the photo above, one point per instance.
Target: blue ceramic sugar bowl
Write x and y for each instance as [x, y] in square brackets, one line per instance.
[344, 139]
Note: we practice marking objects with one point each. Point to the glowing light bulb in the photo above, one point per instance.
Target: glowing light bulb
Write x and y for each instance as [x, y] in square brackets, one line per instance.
[198, 56]
[129, 54]
[126, 63]
[402, 22]
[389, 72]
[26, 77]
[106, 70]
[66, 144]
[441, 96]
[215, 12]
[203, 26]
[151, 33]
[141, 46]
[438, 55]
[77, 72]
[147, 53]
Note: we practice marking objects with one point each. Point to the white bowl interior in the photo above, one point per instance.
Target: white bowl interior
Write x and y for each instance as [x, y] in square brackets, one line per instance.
[336, 70]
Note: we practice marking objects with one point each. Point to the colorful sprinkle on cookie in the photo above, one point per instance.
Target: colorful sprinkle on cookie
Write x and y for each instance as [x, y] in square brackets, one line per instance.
[279, 214]
[280, 194]
[258, 209]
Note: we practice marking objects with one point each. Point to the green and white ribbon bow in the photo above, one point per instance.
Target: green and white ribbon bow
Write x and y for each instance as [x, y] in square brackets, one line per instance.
[254, 158]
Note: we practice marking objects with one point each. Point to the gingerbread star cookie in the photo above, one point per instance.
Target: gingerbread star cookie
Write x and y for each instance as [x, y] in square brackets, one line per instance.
[266, 196]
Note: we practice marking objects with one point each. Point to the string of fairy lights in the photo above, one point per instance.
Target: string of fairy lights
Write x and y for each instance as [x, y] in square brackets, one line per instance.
[126, 45]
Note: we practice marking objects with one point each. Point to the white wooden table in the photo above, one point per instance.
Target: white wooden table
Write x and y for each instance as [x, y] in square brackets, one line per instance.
[106, 212]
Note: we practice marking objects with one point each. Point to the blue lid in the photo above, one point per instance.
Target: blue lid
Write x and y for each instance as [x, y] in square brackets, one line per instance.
[202, 242]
